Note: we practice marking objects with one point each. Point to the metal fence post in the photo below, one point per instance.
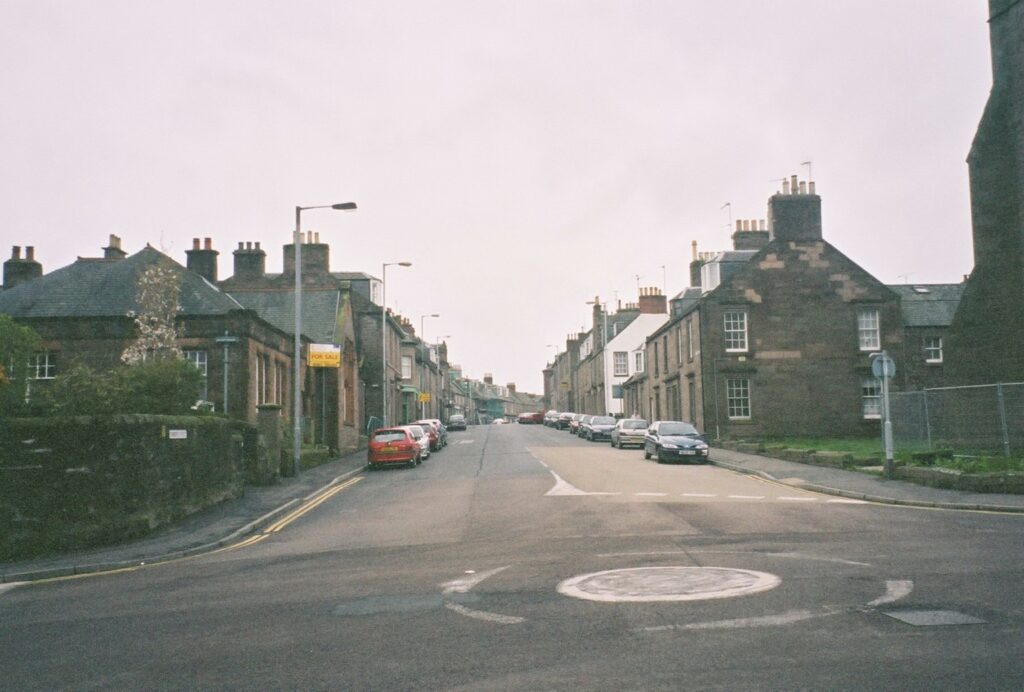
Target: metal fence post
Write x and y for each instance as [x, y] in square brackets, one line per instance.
[1002, 420]
[927, 420]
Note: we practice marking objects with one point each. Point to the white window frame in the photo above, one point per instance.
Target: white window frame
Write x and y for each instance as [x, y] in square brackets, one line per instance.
[737, 399]
[933, 349]
[869, 328]
[620, 364]
[639, 361]
[199, 359]
[406, 367]
[42, 366]
[871, 398]
[689, 339]
[734, 323]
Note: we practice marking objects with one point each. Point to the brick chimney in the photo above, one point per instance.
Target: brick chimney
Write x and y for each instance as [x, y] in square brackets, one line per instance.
[652, 301]
[511, 387]
[250, 261]
[695, 264]
[316, 256]
[18, 271]
[750, 234]
[113, 249]
[488, 378]
[203, 260]
[795, 213]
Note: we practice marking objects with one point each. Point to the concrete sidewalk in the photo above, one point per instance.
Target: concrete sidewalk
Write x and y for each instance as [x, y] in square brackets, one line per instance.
[213, 528]
[862, 486]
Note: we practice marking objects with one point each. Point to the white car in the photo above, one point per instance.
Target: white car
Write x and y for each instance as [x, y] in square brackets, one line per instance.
[421, 437]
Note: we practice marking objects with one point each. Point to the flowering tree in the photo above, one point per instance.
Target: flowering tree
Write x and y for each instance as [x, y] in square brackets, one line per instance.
[158, 290]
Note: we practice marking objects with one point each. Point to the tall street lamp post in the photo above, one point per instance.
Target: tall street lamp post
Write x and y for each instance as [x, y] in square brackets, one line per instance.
[384, 336]
[297, 388]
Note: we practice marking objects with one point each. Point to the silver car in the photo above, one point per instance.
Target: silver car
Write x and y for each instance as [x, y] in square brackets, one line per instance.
[421, 437]
[629, 432]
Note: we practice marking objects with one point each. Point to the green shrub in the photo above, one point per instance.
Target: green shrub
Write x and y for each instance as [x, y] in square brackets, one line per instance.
[164, 386]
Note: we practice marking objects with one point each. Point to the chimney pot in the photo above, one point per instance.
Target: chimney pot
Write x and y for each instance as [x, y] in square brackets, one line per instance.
[257, 245]
[785, 187]
[30, 253]
[810, 187]
[115, 242]
[207, 244]
[241, 245]
[793, 186]
[195, 243]
[16, 252]
[803, 187]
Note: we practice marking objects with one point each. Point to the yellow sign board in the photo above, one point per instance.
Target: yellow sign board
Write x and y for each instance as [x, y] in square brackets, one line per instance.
[424, 397]
[324, 356]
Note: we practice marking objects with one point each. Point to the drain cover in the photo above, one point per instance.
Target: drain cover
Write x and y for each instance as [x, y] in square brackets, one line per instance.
[933, 618]
[667, 584]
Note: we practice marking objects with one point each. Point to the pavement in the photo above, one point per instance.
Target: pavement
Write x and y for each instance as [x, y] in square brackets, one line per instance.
[231, 521]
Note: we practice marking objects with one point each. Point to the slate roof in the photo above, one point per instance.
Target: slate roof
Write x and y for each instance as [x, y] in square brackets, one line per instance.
[928, 305]
[319, 310]
[107, 288]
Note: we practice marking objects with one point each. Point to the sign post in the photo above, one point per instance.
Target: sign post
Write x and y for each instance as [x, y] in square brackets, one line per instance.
[884, 368]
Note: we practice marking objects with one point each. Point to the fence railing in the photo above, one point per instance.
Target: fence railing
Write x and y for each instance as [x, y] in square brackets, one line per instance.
[982, 419]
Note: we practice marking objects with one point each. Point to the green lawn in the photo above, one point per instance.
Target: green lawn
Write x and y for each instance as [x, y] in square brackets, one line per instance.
[858, 446]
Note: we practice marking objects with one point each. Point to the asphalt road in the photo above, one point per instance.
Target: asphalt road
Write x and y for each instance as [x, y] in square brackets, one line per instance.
[523, 558]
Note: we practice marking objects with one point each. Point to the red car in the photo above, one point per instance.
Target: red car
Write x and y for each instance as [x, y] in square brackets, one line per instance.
[531, 418]
[392, 446]
[433, 432]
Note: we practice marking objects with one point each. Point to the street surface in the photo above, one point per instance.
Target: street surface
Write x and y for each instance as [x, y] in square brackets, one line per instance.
[521, 557]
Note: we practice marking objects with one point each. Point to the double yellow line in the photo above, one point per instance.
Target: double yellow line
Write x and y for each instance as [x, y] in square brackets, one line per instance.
[295, 514]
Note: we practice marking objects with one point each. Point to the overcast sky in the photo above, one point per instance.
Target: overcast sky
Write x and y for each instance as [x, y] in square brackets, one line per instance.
[525, 156]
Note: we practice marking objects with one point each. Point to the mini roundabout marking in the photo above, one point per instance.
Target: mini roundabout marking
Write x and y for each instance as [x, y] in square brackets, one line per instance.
[647, 584]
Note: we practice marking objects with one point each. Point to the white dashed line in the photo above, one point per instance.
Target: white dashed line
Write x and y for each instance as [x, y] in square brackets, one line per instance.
[746, 497]
[797, 499]
[846, 501]
[698, 495]
[651, 494]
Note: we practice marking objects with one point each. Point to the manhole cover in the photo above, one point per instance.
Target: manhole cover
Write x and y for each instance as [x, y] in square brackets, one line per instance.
[933, 618]
[667, 584]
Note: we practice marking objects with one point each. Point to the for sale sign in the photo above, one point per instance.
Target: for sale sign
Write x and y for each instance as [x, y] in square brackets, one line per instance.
[324, 356]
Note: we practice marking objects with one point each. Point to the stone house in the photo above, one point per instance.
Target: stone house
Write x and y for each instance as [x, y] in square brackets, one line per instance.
[81, 313]
[986, 335]
[928, 311]
[623, 357]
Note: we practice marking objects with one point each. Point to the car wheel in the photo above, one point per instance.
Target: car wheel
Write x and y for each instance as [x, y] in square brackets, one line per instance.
[647, 455]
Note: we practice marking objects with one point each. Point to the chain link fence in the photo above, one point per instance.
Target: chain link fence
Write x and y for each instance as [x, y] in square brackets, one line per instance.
[983, 419]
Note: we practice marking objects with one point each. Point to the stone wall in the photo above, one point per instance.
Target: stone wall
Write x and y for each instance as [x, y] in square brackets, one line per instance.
[72, 483]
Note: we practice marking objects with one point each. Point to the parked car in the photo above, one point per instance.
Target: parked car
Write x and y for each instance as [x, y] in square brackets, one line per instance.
[530, 418]
[421, 437]
[669, 440]
[393, 446]
[562, 422]
[433, 432]
[629, 431]
[499, 421]
[600, 428]
[550, 417]
[581, 429]
[574, 423]
[442, 429]
[456, 421]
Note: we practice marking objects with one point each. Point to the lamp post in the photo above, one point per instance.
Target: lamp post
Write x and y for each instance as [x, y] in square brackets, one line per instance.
[423, 318]
[297, 388]
[384, 336]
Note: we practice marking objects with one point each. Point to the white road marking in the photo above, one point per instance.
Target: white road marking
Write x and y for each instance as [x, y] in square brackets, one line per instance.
[698, 495]
[894, 591]
[795, 556]
[675, 583]
[746, 497]
[790, 498]
[12, 585]
[466, 583]
[465, 442]
[741, 623]
[480, 615]
[846, 501]
[651, 494]
[564, 487]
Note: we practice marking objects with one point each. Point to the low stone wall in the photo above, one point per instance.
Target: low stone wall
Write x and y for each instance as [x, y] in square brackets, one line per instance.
[72, 483]
[1008, 483]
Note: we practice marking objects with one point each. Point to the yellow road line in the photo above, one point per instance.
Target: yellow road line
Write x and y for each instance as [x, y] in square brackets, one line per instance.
[310, 506]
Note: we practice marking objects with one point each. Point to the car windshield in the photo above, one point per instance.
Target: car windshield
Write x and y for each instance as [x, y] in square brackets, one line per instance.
[416, 431]
[634, 424]
[677, 429]
[603, 420]
[389, 436]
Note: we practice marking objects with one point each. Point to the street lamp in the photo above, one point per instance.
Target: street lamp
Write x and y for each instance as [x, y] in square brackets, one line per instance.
[297, 388]
[384, 336]
[423, 336]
